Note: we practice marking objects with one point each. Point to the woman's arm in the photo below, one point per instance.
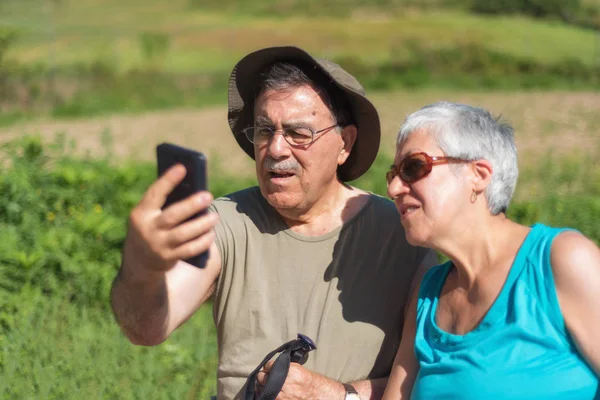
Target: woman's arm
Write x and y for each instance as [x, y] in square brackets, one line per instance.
[405, 366]
[576, 268]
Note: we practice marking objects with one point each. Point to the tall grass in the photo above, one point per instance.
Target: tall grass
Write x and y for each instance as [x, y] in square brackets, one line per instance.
[57, 350]
[561, 191]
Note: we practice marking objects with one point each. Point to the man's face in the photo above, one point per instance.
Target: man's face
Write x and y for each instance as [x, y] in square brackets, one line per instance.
[294, 177]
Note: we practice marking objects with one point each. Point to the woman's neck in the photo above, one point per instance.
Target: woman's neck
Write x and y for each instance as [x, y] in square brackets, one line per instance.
[479, 245]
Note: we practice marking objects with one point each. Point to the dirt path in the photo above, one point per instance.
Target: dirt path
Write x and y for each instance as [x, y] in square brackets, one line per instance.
[557, 122]
[560, 122]
[136, 136]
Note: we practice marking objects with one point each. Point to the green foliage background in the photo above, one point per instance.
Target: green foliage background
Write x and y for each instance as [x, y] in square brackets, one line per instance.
[92, 66]
[63, 217]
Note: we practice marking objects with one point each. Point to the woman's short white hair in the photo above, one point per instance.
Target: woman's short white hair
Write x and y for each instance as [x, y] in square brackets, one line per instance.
[471, 133]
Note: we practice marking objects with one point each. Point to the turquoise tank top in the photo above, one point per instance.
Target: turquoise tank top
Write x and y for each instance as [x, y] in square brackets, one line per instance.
[520, 350]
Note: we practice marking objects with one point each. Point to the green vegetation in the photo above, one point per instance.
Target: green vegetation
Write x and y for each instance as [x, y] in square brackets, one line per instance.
[62, 224]
[74, 59]
[63, 217]
[575, 12]
[539, 9]
[63, 220]
[58, 350]
[211, 41]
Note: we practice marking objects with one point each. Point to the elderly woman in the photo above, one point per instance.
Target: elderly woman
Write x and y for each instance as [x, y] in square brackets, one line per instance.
[515, 313]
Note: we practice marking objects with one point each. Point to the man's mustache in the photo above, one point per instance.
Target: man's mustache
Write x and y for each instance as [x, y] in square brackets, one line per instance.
[288, 165]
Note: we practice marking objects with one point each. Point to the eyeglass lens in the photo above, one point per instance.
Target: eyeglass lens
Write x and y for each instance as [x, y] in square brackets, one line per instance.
[411, 169]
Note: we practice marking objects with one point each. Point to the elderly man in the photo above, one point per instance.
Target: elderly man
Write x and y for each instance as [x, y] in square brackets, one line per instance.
[303, 252]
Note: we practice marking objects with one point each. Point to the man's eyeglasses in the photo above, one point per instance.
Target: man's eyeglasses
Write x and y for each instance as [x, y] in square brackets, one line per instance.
[417, 166]
[296, 136]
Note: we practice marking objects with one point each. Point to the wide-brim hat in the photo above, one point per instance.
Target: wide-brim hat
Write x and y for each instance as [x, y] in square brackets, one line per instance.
[242, 83]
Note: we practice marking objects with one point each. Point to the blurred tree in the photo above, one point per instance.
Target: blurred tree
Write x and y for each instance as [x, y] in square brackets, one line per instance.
[563, 9]
[154, 46]
[7, 38]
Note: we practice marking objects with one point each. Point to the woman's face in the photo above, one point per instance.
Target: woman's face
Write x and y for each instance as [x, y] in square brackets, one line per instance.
[431, 207]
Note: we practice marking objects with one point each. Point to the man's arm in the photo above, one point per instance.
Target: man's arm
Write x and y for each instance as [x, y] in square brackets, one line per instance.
[150, 305]
[154, 292]
[575, 264]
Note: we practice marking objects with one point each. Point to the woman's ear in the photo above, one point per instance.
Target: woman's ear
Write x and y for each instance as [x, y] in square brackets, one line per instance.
[482, 174]
[348, 135]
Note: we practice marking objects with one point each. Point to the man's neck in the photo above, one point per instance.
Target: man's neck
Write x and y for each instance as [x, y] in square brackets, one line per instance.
[336, 207]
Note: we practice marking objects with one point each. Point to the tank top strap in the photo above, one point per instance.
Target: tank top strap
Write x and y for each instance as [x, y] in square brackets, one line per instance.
[541, 278]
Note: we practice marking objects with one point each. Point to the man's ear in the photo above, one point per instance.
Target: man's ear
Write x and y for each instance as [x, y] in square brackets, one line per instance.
[348, 135]
[482, 174]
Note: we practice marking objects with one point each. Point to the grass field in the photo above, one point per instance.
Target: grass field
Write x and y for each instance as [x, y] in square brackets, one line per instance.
[60, 351]
[201, 40]
[92, 57]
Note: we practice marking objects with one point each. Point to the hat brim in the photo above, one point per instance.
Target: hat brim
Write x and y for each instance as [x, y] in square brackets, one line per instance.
[241, 98]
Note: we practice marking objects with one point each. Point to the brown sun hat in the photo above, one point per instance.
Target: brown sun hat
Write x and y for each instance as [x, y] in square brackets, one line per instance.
[243, 80]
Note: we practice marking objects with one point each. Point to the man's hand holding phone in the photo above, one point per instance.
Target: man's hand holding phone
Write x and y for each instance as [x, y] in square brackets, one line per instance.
[158, 237]
[154, 292]
[171, 223]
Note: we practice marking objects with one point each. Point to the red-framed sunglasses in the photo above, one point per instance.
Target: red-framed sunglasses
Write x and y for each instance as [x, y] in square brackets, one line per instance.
[417, 166]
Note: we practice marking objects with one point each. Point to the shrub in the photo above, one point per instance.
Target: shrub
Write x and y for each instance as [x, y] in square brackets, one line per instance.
[63, 220]
[562, 9]
[154, 46]
[470, 66]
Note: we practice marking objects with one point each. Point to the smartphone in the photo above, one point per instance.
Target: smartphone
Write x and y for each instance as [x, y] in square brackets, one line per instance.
[195, 180]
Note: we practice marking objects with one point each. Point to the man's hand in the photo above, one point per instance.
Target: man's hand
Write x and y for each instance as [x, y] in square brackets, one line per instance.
[158, 238]
[303, 384]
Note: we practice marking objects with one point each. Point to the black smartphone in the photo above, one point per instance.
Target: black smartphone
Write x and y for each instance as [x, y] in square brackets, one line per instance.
[195, 180]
